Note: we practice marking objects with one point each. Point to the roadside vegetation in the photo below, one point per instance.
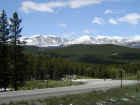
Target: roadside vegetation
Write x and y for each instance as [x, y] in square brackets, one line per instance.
[129, 95]
[38, 84]
[85, 77]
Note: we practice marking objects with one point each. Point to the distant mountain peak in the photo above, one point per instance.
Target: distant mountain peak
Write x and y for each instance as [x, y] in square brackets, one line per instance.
[39, 35]
[85, 37]
[44, 40]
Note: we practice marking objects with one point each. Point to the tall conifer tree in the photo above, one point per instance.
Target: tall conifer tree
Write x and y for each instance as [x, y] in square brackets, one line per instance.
[4, 34]
[18, 56]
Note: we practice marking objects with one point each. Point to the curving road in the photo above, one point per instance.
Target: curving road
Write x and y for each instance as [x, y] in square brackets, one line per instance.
[91, 85]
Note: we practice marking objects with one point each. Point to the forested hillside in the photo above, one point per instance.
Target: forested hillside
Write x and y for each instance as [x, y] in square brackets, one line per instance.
[93, 54]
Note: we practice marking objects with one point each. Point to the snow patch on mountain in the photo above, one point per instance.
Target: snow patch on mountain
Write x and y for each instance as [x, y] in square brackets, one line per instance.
[82, 40]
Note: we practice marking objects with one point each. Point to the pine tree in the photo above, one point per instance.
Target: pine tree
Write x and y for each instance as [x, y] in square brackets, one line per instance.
[4, 34]
[19, 61]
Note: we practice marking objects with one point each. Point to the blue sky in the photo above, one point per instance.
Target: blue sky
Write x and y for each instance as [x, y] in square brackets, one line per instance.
[72, 18]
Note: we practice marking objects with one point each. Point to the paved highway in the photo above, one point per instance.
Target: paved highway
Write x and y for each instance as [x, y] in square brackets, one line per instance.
[91, 85]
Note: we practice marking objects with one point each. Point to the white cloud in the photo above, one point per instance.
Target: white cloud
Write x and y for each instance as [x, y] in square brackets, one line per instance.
[113, 21]
[108, 11]
[86, 31]
[28, 6]
[132, 18]
[98, 20]
[81, 3]
[63, 25]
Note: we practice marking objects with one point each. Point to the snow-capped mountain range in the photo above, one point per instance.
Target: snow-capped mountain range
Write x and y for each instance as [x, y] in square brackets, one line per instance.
[44, 40]
[52, 40]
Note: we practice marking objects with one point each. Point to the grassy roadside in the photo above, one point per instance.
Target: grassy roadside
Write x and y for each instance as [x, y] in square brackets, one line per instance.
[129, 95]
[38, 84]
[132, 77]
[85, 77]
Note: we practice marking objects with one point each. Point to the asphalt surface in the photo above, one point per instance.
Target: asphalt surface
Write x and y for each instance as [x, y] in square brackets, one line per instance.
[91, 85]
